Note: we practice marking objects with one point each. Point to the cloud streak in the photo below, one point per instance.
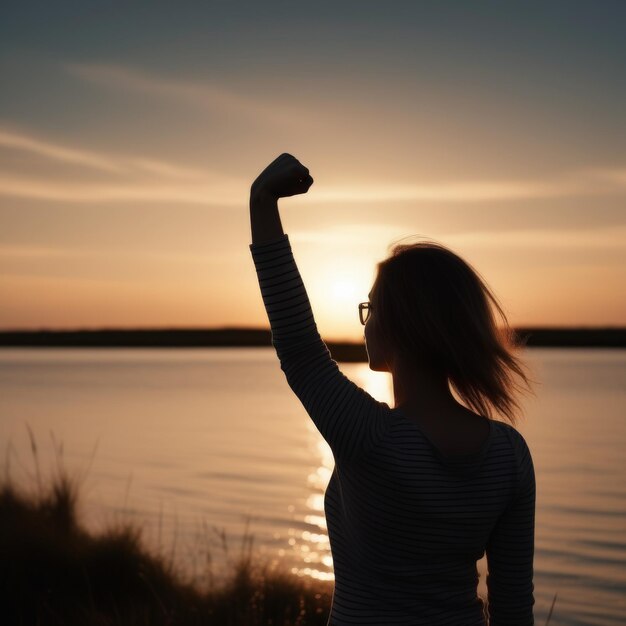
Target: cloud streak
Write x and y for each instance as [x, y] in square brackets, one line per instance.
[12, 140]
[144, 192]
[25, 252]
[56, 152]
[561, 239]
[580, 183]
[147, 179]
[357, 235]
[230, 191]
[192, 93]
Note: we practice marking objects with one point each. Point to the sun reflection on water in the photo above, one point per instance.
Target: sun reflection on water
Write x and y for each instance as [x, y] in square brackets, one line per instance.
[311, 546]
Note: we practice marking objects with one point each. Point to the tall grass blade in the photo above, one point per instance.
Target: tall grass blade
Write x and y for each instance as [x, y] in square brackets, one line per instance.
[33, 448]
[552, 607]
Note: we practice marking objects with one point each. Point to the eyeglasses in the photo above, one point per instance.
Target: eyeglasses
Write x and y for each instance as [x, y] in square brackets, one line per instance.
[364, 311]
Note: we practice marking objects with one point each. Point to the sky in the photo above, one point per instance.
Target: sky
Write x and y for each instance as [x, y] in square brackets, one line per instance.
[130, 134]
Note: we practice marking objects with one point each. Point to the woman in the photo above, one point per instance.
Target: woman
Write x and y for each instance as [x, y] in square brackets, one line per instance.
[419, 492]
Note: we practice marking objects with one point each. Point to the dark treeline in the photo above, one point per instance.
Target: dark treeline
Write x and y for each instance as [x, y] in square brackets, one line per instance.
[608, 337]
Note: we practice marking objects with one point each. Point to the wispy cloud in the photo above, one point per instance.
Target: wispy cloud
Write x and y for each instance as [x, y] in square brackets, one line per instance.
[147, 179]
[349, 235]
[193, 93]
[556, 239]
[231, 191]
[94, 160]
[616, 175]
[580, 183]
[152, 191]
[130, 178]
[57, 152]
[24, 252]
[353, 236]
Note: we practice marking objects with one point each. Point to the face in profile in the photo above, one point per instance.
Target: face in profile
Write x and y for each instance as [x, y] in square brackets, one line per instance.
[373, 342]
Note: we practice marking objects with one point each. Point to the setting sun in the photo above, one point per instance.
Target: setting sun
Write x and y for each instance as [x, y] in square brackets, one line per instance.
[336, 285]
[344, 290]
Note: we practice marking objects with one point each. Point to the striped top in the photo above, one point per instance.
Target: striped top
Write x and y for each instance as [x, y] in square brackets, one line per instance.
[406, 523]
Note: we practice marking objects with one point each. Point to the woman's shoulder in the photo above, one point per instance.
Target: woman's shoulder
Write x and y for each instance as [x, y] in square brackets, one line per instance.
[511, 432]
[517, 441]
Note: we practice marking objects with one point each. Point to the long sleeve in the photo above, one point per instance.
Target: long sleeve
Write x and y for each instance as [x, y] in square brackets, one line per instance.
[348, 417]
[510, 550]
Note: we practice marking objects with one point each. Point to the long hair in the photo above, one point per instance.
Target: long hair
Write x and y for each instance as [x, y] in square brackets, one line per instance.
[435, 310]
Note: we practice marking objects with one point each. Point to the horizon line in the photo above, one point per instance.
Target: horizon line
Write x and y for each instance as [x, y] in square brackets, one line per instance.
[267, 330]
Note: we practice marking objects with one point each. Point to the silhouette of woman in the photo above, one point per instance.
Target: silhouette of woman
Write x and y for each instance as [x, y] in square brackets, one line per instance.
[420, 491]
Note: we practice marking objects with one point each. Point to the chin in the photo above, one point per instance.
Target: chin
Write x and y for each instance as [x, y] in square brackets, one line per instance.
[376, 362]
[378, 367]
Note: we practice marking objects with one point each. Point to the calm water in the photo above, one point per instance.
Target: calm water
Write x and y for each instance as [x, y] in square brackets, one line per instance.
[194, 442]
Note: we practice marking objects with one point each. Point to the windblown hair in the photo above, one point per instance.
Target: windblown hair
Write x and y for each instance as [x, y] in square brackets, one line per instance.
[435, 311]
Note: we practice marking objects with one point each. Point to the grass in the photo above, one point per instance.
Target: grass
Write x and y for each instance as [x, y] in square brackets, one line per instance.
[55, 572]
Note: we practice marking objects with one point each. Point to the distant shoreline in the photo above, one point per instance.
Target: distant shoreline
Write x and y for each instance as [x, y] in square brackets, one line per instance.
[545, 337]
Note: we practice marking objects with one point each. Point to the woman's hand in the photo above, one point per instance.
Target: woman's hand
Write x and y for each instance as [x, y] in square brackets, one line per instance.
[283, 177]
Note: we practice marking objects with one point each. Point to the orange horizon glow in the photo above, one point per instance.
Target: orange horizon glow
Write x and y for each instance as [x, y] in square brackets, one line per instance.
[154, 291]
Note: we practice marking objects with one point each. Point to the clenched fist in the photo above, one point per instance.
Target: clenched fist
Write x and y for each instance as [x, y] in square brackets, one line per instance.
[283, 177]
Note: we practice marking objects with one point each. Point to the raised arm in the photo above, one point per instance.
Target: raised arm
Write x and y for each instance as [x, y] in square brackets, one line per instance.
[349, 418]
[510, 550]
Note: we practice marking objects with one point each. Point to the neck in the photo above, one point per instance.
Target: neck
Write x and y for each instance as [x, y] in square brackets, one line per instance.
[421, 391]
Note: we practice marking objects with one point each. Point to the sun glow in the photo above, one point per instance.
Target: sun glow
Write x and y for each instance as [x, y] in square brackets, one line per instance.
[336, 287]
[344, 290]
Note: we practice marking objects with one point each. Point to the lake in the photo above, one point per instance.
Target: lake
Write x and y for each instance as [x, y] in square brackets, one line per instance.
[198, 445]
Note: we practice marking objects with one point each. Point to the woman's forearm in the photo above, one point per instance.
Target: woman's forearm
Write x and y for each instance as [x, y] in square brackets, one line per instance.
[264, 218]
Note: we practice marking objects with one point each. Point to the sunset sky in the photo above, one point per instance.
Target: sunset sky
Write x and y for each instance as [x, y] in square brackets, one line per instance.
[129, 136]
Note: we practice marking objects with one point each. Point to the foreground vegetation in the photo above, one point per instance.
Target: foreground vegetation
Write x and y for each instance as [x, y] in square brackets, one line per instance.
[54, 572]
